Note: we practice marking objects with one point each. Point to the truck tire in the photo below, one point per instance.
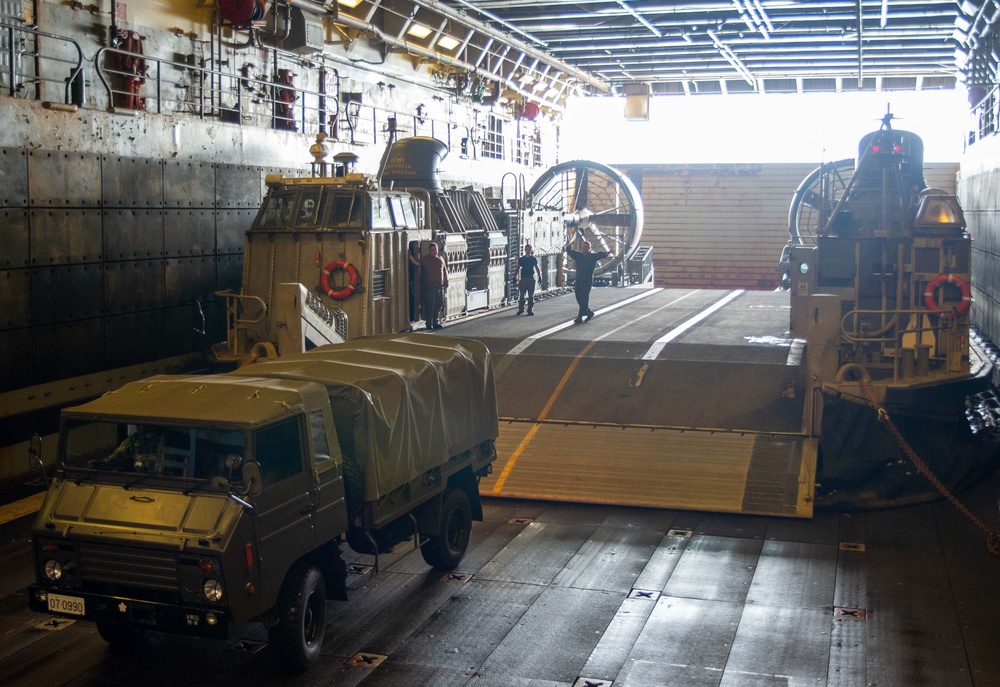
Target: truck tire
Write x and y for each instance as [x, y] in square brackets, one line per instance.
[298, 636]
[444, 550]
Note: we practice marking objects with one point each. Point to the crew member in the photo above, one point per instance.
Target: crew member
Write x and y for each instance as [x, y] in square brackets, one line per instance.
[585, 264]
[527, 266]
[433, 283]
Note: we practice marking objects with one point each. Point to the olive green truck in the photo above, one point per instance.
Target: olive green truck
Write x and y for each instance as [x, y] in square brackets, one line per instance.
[188, 504]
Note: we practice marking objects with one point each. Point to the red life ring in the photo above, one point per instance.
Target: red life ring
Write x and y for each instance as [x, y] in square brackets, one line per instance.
[930, 293]
[352, 274]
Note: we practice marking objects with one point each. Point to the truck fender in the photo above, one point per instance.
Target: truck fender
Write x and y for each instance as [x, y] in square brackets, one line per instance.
[428, 515]
[328, 559]
[466, 479]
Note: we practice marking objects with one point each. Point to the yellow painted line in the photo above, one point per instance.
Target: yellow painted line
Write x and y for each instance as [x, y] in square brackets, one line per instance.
[12, 511]
[541, 416]
[498, 486]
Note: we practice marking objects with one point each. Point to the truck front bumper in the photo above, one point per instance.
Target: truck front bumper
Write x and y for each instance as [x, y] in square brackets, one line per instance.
[178, 619]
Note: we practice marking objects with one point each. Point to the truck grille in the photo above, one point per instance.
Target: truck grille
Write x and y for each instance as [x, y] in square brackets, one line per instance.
[109, 565]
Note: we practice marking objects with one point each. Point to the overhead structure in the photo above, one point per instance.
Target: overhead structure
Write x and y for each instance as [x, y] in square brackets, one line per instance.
[544, 51]
[598, 204]
[720, 46]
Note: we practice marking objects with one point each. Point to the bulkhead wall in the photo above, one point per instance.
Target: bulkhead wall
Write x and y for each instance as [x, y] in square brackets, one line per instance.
[979, 193]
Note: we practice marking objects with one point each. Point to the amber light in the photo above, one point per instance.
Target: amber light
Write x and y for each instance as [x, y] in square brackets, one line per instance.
[939, 210]
[248, 548]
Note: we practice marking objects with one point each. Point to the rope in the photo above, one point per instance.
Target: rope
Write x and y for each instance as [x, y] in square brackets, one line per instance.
[992, 535]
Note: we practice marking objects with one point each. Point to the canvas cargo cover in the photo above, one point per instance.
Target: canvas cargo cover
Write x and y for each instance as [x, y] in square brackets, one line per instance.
[403, 403]
[203, 400]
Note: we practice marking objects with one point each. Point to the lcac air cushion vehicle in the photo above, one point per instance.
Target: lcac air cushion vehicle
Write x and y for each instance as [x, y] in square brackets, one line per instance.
[879, 270]
[189, 503]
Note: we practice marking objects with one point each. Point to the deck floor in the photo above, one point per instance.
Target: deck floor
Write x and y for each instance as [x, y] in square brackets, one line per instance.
[566, 595]
[559, 594]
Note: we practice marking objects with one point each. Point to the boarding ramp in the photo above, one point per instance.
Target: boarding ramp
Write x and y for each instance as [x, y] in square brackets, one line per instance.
[685, 399]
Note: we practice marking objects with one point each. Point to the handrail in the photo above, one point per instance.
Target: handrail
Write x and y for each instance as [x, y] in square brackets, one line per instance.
[238, 324]
[854, 336]
[12, 73]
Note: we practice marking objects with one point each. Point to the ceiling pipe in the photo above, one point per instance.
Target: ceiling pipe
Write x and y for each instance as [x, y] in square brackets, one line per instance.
[861, 62]
[465, 20]
[368, 27]
[348, 20]
[510, 27]
[763, 14]
[733, 59]
[639, 18]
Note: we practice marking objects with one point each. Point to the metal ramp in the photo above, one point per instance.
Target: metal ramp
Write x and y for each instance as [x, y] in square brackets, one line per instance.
[729, 472]
[668, 399]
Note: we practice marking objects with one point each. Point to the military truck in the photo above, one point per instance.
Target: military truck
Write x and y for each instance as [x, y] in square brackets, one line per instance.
[188, 504]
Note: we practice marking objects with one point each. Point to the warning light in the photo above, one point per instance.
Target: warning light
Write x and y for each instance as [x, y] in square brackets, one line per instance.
[875, 148]
[897, 148]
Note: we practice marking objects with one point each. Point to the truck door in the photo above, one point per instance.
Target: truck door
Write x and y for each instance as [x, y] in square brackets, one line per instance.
[284, 508]
[330, 515]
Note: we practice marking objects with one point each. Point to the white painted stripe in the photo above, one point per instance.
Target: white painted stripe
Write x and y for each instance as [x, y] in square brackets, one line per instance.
[794, 358]
[519, 348]
[660, 343]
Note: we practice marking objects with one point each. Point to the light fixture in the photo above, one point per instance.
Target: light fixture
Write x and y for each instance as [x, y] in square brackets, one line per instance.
[939, 210]
[446, 42]
[349, 4]
[418, 30]
[636, 102]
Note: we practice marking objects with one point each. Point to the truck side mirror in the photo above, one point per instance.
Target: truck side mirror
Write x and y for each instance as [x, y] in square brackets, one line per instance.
[35, 456]
[253, 482]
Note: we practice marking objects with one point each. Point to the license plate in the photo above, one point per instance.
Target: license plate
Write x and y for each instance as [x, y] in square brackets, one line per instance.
[70, 605]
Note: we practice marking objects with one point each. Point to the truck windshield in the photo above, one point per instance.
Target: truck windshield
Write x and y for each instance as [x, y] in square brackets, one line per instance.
[161, 450]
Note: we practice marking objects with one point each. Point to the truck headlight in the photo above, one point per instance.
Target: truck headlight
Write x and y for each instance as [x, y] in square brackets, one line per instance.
[53, 570]
[212, 590]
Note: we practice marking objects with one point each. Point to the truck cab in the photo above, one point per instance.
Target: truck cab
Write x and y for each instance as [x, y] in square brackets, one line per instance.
[150, 522]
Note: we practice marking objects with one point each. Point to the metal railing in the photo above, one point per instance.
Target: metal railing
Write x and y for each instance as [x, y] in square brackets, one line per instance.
[134, 81]
[31, 59]
[985, 117]
[893, 334]
[43, 66]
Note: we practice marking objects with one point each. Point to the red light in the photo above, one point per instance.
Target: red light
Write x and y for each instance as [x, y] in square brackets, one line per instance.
[875, 148]
[205, 565]
[897, 148]
[249, 552]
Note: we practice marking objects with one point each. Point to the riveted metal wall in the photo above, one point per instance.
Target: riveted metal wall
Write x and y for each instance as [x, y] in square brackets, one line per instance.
[110, 261]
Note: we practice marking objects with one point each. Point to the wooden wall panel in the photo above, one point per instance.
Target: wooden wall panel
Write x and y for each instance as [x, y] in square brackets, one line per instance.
[723, 226]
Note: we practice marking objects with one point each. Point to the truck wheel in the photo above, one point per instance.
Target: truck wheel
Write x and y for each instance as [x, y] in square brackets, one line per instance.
[296, 639]
[445, 549]
[119, 633]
